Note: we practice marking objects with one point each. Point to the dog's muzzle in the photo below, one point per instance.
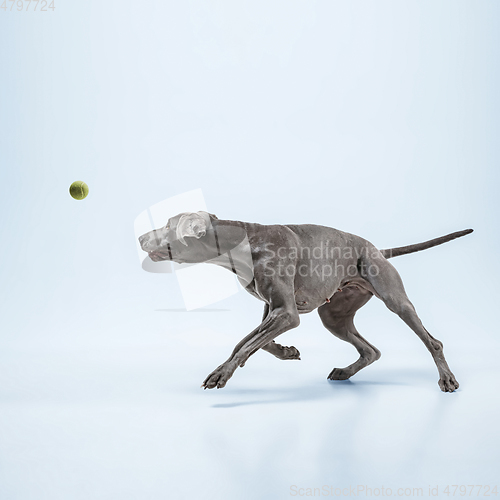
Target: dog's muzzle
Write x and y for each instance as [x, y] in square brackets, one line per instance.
[159, 255]
[156, 254]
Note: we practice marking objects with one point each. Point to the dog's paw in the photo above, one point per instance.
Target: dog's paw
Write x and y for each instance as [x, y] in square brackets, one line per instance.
[448, 383]
[219, 377]
[339, 374]
[290, 353]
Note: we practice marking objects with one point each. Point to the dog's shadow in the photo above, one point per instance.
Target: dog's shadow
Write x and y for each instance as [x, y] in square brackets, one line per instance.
[331, 388]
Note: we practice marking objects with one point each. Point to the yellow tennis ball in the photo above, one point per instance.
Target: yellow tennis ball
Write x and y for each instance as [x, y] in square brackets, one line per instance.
[78, 190]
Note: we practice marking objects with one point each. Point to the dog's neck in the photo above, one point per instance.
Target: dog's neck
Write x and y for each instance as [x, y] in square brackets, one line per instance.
[233, 249]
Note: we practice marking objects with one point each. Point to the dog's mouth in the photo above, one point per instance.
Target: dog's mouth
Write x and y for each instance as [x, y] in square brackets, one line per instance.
[158, 255]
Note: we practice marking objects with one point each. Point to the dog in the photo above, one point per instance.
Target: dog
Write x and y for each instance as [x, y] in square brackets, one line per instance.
[295, 269]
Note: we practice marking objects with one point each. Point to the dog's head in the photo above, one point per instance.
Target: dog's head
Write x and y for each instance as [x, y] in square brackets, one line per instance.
[186, 238]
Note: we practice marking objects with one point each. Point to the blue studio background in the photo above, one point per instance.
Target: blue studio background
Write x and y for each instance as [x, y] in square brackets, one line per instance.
[377, 118]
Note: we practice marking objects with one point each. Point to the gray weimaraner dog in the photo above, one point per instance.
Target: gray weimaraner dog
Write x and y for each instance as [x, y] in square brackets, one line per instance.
[295, 269]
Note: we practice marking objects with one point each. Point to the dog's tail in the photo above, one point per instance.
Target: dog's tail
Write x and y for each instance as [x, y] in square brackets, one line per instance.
[396, 252]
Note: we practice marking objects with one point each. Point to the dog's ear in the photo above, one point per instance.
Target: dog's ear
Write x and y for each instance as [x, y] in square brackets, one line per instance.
[192, 225]
[213, 216]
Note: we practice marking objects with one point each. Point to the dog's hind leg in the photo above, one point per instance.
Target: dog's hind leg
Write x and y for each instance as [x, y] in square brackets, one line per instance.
[388, 285]
[338, 317]
[281, 352]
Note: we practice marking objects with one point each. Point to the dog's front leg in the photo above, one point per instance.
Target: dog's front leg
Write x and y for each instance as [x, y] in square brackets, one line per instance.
[280, 319]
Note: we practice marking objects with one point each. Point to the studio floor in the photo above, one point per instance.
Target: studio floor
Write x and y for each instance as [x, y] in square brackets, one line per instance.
[116, 411]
